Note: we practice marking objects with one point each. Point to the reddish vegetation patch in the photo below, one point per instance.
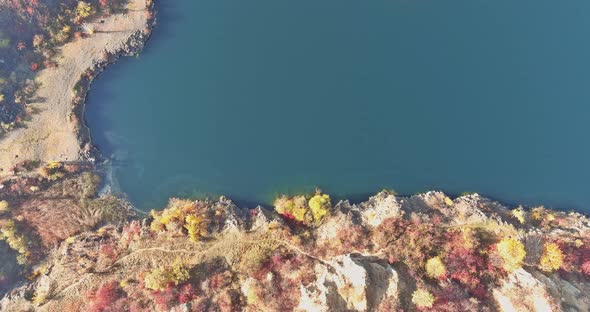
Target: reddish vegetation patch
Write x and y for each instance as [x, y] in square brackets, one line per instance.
[51, 218]
[174, 295]
[576, 258]
[108, 297]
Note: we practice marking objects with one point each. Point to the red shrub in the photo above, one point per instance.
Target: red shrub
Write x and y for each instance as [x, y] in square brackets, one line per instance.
[137, 307]
[414, 244]
[348, 239]
[164, 298]
[453, 298]
[219, 280]
[279, 292]
[574, 256]
[289, 216]
[131, 231]
[389, 230]
[105, 297]
[49, 64]
[186, 293]
[173, 295]
[464, 266]
[109, 251]
[225, 302]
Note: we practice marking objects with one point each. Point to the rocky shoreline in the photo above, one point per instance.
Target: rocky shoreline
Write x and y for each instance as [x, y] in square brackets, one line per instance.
[426, 252]
[133, 46]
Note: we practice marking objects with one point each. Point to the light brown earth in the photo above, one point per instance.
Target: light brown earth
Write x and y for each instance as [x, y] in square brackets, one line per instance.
[50, 134]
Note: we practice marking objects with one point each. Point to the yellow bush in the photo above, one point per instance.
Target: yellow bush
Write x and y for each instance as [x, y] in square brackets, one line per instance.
[159, 278]
[61, 35]
[16, 241]
[435, 268]
[4, 206]
[179, 272]
[84, 10]
[52, 171]
[53, 165]
[319, 205]
[538, 213]
[304, 211]
[196, 227]
[39, 298]
[295, 207]
[449, 201]
[299, 213]
[156, 225]
[180, 214]
[518, 213]
[512, 252]
[173, 217]
[422, 298]
[550, 217]
[552, 258]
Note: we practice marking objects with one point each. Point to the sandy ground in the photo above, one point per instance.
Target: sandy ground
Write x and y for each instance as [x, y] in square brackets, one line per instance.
[50, 135]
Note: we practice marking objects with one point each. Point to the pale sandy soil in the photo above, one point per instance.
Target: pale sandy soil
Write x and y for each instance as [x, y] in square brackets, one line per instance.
[50, 134]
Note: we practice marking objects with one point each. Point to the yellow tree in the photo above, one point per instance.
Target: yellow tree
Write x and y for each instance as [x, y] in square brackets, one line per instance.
[196, 227]
[422, 298]
[512, 252]
[84, 10]
[435, 268]
[552, 258]
[319, 205]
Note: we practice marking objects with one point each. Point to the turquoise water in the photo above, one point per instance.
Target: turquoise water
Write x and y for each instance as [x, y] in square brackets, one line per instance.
[250, 98]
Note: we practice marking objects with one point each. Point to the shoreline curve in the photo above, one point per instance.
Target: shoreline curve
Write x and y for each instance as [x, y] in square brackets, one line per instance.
[56, 131]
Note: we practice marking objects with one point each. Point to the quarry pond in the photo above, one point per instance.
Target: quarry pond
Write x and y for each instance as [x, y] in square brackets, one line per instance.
[250, 99]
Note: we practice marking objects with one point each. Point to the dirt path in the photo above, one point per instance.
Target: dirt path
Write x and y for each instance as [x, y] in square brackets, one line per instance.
[50, 135]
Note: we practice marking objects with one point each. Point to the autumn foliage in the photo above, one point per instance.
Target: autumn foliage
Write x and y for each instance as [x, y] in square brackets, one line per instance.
[161, 278]
[435, 268]
[108, 297]
[172, 295]
[181, 216]
[512, 253]
[552, 258]
[187, 259]
[304, 211]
